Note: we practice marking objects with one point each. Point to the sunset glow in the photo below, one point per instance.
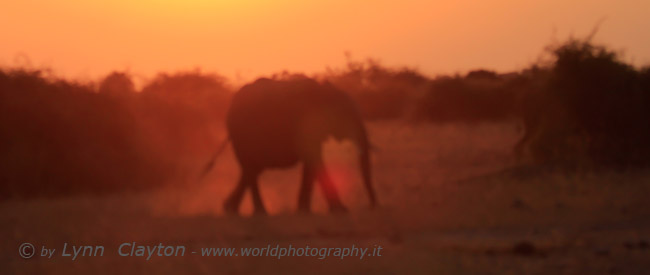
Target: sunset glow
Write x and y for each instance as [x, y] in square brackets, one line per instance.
[246, 38]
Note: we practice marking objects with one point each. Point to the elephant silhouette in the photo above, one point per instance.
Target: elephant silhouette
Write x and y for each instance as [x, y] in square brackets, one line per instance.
[280, 123]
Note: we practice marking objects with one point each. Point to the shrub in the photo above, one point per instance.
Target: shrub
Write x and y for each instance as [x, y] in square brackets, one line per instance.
[479, 96]
[58, 137]
[603, 104]
[380, 92]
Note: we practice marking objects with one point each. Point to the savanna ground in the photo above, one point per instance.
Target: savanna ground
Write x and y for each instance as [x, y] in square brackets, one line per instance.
[453, 201]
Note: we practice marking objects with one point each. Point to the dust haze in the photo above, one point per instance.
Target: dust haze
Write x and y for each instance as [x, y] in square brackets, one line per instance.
[542, 170]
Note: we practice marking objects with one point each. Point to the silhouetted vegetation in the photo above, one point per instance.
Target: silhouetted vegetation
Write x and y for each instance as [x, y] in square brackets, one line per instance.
[380, 92]
[60, 137]
[587, 106]
[404, 93]
[593, 109]
[479, 96]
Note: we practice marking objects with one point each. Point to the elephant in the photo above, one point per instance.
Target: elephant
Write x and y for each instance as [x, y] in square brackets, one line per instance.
[275, 124]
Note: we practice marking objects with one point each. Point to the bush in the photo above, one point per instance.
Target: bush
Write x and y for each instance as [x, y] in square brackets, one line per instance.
[58, 137]
[479, 96]
[594, 106]
[380, 92]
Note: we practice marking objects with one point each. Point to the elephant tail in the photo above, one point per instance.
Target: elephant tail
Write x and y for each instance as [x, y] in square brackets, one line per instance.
[208, 167]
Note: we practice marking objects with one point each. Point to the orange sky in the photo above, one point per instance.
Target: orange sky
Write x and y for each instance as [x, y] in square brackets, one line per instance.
[86, 39]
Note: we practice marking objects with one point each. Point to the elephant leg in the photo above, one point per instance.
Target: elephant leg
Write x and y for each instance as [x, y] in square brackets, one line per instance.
[306, 187]
[257, 198]
[248, 178]
[329, 190]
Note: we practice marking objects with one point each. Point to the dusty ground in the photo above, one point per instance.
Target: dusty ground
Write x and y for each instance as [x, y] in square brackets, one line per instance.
[453, 202]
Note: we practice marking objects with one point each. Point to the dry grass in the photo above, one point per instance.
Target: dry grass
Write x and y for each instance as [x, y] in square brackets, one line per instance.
[452, 203]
